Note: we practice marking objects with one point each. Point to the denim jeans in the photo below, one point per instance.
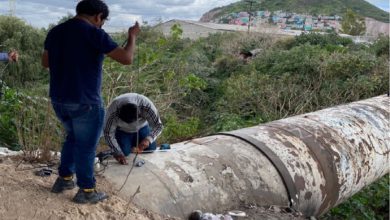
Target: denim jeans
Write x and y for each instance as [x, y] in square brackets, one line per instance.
[127, 141]
[83, 125]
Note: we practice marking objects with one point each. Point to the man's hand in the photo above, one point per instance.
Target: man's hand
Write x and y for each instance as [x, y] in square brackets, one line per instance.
[142, 146]
[13, 56]
[134, 30]
[121, 159]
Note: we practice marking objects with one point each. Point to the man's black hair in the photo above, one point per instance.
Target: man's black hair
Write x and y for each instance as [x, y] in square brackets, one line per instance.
[128, 112]
[92, 7]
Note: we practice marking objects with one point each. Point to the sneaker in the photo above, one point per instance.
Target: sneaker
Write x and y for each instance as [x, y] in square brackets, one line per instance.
[93, 197]
[61, 184]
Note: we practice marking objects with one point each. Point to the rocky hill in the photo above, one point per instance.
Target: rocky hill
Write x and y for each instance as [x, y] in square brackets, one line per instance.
[313, 7]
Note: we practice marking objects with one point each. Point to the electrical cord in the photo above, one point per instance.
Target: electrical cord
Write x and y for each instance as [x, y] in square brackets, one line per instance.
[137, 139]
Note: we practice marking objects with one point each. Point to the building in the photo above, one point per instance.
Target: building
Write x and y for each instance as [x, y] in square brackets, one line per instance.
[195, 29]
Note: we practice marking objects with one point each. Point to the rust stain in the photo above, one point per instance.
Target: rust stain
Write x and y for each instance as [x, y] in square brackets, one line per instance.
[324, 193]
[359, 175]
[299, 182]
[367, 144]
[308, 195]
[185, 177]
[319, 143]
[291, 165]
[309, 166]
[294, 153]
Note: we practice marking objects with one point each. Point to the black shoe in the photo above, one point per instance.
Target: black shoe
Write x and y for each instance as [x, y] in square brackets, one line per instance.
[93, 197]
[61, 184]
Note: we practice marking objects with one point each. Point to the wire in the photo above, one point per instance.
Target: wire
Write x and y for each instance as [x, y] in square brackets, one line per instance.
[128, 174]
[137, 136]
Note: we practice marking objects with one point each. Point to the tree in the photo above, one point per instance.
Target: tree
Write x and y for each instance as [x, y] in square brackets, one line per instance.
[176, 31]
[353, 24]
[28, 41]
[62, 20]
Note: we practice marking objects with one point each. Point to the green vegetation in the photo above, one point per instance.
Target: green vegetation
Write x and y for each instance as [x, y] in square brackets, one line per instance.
[202, 87]
[314, 7]
[353, 24]
[370, 203]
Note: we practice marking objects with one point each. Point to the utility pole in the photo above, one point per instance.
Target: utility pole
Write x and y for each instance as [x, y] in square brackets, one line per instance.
[250, 12]
[11, 7]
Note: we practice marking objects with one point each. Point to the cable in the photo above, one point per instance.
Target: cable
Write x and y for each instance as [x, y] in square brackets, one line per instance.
[137, 136]
[128, 174]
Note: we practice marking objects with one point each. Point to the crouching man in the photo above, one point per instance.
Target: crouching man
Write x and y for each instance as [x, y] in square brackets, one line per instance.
[132, 124]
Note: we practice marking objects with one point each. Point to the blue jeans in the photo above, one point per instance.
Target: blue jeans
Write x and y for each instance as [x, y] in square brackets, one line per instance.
[127, 141]
[83, 125]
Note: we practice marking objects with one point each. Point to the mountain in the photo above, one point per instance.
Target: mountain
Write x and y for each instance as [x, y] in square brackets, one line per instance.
[313, 7]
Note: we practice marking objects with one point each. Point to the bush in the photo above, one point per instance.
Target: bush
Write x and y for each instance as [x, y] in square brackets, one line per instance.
[16, 34]
[27, 123]
[300, 60]
[176, 130]
[9, 105]
[370, 203]
[381, 46]
[347, 65]
[319, 39]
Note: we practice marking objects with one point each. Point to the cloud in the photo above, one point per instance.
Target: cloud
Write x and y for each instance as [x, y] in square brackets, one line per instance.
[40, 13]
[123, 13]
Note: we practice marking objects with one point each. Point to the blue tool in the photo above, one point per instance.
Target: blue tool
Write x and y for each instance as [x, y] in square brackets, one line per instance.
[165, 147]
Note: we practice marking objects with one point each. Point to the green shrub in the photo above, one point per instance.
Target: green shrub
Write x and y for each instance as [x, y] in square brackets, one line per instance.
[370, 203]
[230, 122]
[9, 105]
[301, 60]
[346, 65]
[319, 39]
[381, 46]
[28, 41]
[176, 130]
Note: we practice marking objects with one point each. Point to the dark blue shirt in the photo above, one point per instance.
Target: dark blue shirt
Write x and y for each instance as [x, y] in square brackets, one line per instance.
[76, 51]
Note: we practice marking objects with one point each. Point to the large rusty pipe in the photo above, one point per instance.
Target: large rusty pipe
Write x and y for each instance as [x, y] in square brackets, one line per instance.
[311, 162]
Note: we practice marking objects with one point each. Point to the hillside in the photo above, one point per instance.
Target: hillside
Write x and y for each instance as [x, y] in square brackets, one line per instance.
[314, 7]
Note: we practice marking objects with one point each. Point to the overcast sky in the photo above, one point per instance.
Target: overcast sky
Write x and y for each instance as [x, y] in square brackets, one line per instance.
[123, 13]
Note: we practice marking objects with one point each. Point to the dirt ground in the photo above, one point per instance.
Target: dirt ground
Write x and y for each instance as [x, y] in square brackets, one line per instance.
[25, 195]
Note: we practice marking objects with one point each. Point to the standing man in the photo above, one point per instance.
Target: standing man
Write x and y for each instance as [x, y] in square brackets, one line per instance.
[74, 53]
[132, 123]
[11, 56]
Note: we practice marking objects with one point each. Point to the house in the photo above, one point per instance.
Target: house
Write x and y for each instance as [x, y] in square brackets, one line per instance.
[308, 27]
[243, 14]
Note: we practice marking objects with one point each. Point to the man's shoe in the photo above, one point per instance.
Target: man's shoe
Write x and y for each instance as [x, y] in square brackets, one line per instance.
[89, 196]
[61, 184]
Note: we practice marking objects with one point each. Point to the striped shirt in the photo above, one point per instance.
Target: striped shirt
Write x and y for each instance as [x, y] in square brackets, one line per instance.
[148, 115]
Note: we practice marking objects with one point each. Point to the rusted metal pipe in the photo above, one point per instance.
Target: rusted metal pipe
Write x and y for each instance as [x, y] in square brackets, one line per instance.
[311, 162]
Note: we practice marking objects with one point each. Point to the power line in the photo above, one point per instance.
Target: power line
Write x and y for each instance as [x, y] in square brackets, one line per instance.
[250, 12]
[11, 7]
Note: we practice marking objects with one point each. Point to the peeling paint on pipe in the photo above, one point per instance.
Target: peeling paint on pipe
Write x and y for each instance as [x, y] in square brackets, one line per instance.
[312, 162]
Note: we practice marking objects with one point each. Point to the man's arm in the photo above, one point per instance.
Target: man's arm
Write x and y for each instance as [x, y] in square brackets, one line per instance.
[110, 127]
[45, 59]
[11, 56]
[151, 115]
[125, 55]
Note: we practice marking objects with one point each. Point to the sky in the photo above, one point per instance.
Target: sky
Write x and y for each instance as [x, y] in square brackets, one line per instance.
[123, 13]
